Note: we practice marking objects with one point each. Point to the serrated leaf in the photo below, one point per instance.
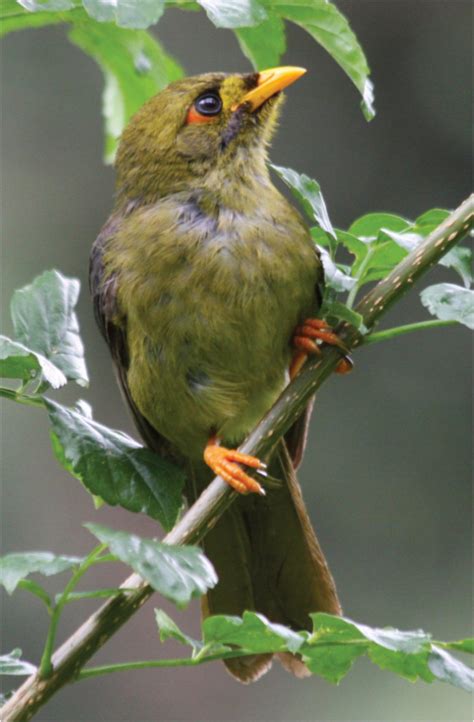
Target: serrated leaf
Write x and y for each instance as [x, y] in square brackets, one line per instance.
[449, 302]
[169, 630]
[44, 320]
[135, 68]
[18, 566]
[394, 639]
[263, 44]
[332, 662]
[328, 26]
[179, 573]
[448, 669]
[308, 193]
[409, 666]
[19, 362]
[405, 653]
[334, 278]
[234, 13]
[12, 664]
[138, 14]
[253, 632]
[114, 467]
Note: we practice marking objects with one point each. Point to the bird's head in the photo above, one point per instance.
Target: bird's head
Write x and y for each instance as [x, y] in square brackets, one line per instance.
[201, 132]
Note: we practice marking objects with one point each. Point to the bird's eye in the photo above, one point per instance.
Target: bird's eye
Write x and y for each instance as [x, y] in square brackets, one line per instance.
[208, 104]
[205, 108]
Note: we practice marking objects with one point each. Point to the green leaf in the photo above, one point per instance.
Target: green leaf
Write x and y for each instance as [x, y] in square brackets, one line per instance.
[367, 227]
[179, 573]
[169, 630]
[460, 260]
[18, 566]
[337, 641]
[138, 14]
[331, 649]
[44, 320]
[253, 632]
[263, 44]
[429, 220]
[308, 192]
[328, 26]
[333, 276]
[448, 669]
[113, 466]
[450, 303]
[335, 311]
[409, 666]
[234, 13]
[13, 17]
[135, 67]
[375, 230]
[49, 5]
[19, 362]
[462, 645]
[388, 238]
[353, 244]
[11, 664]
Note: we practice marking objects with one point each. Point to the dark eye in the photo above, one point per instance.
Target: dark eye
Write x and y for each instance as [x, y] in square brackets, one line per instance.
[208, 104]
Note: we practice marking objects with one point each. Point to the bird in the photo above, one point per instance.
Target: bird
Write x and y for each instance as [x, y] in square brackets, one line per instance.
[206, 286]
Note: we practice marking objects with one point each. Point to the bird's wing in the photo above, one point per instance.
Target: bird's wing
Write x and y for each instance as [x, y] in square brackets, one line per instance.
[113, 327]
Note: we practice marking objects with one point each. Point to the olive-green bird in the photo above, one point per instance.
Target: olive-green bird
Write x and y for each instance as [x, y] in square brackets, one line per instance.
[206, 283]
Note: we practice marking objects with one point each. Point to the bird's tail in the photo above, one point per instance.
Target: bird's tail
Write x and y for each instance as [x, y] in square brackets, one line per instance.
[268, 560]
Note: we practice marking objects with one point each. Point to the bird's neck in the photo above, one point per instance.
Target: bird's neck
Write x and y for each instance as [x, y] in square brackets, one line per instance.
[237, 185]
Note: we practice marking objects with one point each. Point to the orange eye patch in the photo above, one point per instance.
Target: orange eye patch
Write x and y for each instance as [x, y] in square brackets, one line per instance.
[194, 116]
[206, 108]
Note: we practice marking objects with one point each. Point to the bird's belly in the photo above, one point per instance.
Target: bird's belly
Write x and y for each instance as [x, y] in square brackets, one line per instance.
[212, 354]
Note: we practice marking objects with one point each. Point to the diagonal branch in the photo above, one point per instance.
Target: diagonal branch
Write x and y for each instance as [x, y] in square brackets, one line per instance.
[84, 643]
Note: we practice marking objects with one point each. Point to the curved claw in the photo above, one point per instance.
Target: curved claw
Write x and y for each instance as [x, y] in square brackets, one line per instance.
[225, 463]
[304, 341]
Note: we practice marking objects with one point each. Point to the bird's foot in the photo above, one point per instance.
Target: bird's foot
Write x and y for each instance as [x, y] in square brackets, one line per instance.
[305, 341]
[225, 463]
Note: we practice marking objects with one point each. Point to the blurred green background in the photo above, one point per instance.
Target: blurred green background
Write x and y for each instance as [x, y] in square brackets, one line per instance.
[387, 472]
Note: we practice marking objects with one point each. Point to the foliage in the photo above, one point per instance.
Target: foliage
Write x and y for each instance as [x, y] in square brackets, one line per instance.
[47, 352]
[178, 573]
[114, 467]
[117, 470]
[16, 567]
[12, 664]
[330, 649]
[135, 66]
[450, 303]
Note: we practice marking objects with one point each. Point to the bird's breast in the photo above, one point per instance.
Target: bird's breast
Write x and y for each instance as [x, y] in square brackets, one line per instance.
[211, 303]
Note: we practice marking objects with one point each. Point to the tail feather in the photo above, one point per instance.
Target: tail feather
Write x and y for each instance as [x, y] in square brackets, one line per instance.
[268, 559]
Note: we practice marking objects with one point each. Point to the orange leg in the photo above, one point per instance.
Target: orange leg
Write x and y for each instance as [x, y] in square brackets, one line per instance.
[225, 463]
[304, 341]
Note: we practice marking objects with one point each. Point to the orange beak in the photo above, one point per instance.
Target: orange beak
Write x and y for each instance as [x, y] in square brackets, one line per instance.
[270, 82]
